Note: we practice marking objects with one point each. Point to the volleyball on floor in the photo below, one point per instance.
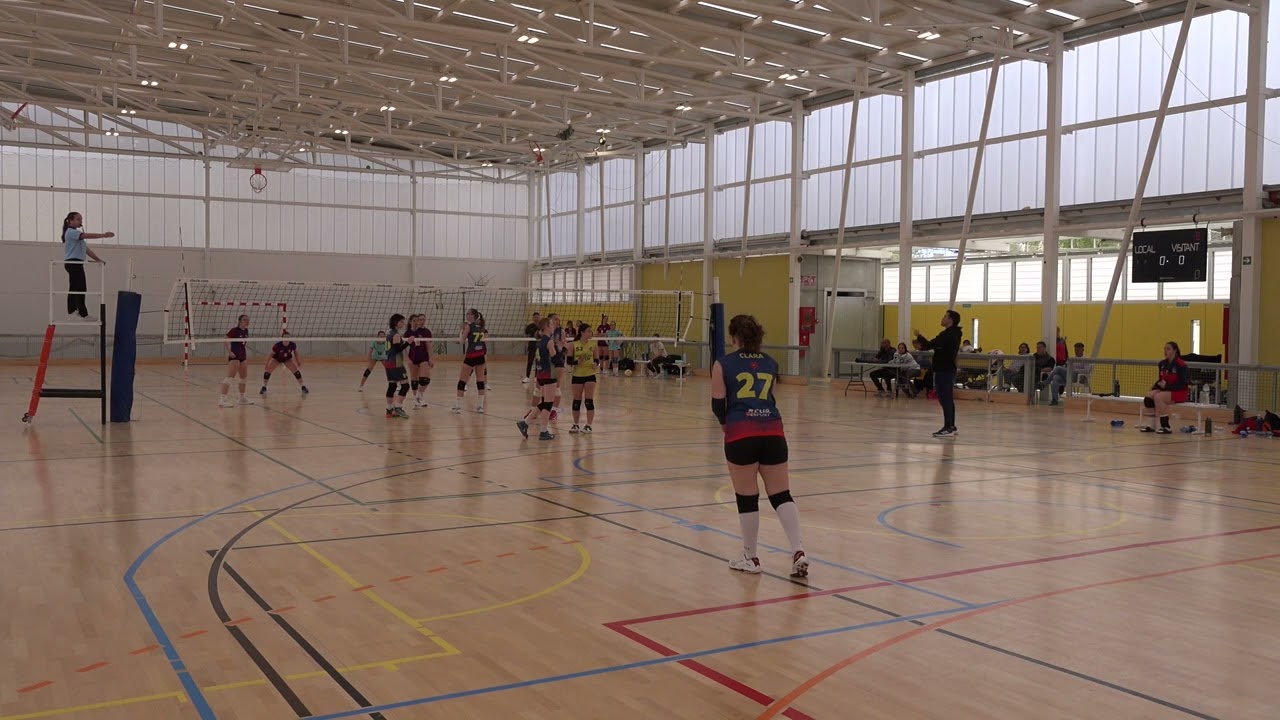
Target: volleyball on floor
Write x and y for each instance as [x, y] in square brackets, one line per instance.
[627, 373]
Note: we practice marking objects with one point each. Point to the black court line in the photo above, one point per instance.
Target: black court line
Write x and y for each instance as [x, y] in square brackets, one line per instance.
[254, 450]
[264, 666]
[85, 425]
[812, 587]
[311, 651]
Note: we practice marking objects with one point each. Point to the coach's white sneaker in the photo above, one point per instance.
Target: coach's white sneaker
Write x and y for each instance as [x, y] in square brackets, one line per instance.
[746, 564]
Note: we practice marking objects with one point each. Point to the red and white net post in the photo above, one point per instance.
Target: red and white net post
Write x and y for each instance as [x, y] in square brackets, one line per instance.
[281, 307]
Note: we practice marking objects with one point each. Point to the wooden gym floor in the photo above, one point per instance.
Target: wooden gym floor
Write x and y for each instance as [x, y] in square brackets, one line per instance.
[309, 558]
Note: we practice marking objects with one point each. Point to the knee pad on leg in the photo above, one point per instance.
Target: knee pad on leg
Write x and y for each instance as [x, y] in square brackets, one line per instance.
[591, 405]
[545, 405]
[391, 390]
[367, 373]
[1148, 402]
[747, 503]
[480, 385]
[577, 405]
[297, 374]
[404, 389]
[462, 386]
[779, 499]
[413, 385]
[424, 382]
[266, 376]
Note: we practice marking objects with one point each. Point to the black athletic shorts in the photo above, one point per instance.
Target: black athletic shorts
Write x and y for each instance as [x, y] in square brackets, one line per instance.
[397, 374]
[583, 380]
[473, 362]
[763, 449]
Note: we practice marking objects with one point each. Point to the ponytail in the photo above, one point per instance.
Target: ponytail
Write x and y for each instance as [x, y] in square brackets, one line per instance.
[66, 223]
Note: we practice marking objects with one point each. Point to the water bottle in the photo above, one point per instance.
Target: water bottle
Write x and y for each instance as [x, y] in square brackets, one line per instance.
[1204, 394]
[1117, 424]
[1116, 388]
[1208, 426]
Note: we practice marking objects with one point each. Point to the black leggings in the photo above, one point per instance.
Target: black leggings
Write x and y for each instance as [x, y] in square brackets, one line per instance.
[944, 383]
[78, 285]
[530, 355]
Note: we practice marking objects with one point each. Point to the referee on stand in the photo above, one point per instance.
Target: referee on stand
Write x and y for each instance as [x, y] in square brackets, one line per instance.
[945, 347]
[74, 252]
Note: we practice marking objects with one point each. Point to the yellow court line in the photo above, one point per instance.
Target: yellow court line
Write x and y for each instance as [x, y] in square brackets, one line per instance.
[350, 580]
[583, 554]
[390, 665]
[180, 697]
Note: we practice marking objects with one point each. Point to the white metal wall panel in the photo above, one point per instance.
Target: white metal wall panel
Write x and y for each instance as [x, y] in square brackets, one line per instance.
[770, 211]
[688, 168]
[686, 221]
[564, 235]
[619, 182]
[772, 155]
[873, 197]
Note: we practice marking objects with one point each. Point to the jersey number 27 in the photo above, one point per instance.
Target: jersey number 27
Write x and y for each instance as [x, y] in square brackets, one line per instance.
[748, 389]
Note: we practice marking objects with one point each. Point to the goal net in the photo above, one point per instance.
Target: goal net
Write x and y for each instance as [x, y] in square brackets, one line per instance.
[202, 311]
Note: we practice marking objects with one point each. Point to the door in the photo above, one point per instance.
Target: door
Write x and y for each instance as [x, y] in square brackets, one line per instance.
[857, 325]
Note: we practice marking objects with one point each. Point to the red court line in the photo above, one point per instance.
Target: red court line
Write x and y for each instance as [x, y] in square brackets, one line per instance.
[472, 562]
[241, 621]
[196, 633]
[939, 576]
[91, 668]
[144, 650]
[362, 588]
[37, 686]
[325, 598]
[507, 555]
[813, 681]
[402, 578]
[437, 569]
[713, 675]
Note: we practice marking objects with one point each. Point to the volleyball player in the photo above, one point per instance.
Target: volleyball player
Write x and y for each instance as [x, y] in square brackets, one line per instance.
[559, 350]
[615, 348]
[376, 354]
[474, 351]
[420, 362]
[582, 358]
[397, 375]
[754, 442]
[602, 346]
[545, 382]
[237, 366]
[284, 353]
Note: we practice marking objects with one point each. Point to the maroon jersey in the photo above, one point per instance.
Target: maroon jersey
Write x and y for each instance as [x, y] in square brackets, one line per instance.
[237, 348]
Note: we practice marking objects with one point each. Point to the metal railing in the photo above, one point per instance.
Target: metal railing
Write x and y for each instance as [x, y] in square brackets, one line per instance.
[1252, 387]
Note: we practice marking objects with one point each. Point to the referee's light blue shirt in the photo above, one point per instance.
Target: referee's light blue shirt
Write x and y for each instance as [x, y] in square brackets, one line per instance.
[73, 245]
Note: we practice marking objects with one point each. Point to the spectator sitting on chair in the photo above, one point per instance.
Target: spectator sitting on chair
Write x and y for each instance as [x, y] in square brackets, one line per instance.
[1016, 371]
[1044, 363]
[657, 357]
[882, 357]
[1058, 379]
[904, 368]
[1169, 390]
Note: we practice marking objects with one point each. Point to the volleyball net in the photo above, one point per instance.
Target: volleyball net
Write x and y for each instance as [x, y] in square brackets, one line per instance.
[202, 311]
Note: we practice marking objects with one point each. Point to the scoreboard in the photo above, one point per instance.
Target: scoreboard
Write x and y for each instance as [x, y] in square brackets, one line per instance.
[1171, 256]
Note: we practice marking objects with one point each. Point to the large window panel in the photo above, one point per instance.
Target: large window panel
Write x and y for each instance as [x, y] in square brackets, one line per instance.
[889, 284]
[1000, 282]
[1221, 268]
[1027, 274]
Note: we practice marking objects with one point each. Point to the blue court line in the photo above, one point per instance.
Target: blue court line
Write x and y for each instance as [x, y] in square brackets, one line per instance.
[882, 518]
[641, 664]
[698, 527]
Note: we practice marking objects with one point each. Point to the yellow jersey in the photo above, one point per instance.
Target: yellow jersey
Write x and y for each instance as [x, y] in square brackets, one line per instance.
[584, 354]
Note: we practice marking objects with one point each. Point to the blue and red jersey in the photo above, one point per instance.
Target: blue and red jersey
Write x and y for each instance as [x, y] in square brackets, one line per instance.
[283, 351]
[545, 357]
[1174, 374]
[475, 346]
[237, 348]
[751, 410]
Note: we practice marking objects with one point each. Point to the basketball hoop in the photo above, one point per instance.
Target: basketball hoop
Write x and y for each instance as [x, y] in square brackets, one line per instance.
[257, 180]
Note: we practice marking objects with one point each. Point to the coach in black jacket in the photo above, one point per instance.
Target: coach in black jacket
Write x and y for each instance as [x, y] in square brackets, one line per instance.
[945, 347]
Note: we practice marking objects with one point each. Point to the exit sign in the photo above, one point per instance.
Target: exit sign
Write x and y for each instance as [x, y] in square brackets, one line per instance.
[1246, 260]
[1183, 305]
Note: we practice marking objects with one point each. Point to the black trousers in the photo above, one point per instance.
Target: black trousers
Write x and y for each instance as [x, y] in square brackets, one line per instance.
[528, 363]
[77, 285]
[944, 383]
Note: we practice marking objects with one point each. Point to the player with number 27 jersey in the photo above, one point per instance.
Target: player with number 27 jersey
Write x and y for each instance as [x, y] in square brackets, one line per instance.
[751, 411]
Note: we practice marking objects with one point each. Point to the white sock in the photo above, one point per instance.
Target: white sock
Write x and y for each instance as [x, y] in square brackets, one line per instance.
[750, 524]
[789, 516]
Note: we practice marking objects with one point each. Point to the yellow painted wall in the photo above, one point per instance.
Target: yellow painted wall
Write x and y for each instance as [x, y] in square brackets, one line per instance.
[1136, 331]
[620, 313]
[685, 276]
[1269, 301]
[762, 289]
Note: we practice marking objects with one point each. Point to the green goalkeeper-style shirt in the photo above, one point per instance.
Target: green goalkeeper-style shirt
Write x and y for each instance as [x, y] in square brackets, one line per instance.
[378, 348]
